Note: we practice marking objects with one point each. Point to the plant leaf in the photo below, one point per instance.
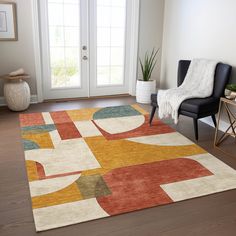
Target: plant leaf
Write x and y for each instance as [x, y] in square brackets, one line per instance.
[149, 63]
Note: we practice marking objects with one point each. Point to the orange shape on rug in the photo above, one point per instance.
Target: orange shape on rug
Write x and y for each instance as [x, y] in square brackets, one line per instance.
[68, 131]
[60, 117]
[31, 119]
[158, 127]
[137, 187]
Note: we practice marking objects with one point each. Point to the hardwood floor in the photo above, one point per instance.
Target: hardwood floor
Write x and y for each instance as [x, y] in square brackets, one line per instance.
[210, 215]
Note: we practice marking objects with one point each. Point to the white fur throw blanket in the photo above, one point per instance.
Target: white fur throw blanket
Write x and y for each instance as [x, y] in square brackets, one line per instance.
[198, 83]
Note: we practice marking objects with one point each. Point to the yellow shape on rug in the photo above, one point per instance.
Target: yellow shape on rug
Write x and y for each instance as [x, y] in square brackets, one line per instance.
[32, 171]
[83, 114]
[112, 154]
[140, 109]
[68, 194]
[43, 140]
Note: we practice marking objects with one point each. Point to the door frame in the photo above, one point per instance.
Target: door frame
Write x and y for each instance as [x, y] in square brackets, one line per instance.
[132, 58]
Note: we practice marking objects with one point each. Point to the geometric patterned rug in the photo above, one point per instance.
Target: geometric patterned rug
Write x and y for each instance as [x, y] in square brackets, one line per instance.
[92, 163]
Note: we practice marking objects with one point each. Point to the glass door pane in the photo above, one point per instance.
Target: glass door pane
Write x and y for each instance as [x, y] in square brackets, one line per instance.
[64, 43]
[111, 28]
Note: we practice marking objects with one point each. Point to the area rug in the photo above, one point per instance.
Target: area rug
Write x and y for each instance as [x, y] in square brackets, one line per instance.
[93, 163]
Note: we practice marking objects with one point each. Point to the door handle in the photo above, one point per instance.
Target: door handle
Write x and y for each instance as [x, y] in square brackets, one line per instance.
[84, 48]
[85, 58]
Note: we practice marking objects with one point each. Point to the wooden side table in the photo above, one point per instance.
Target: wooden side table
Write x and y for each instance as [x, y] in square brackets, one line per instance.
[231, 115]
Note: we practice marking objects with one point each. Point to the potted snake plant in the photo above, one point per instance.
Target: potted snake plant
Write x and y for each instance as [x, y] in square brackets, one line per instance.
[146, 86]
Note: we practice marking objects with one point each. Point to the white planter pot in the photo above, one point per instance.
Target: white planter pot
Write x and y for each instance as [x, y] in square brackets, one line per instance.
[144, 89]
[17, 95]
[227, 92]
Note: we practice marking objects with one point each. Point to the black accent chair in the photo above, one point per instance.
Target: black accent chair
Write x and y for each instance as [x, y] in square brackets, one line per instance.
[198, 108]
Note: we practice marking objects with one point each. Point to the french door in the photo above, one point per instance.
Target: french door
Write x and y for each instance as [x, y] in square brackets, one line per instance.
[85, 47]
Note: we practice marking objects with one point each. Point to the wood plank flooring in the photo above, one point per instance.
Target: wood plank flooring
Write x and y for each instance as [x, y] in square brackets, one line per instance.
[211, 215]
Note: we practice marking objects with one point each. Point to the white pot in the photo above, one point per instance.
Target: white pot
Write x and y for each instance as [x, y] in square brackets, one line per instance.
[227, 92]
[17, 95]
[144, 89]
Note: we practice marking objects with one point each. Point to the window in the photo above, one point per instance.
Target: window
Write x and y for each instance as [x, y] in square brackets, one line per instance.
[111, 25]
[64, 41]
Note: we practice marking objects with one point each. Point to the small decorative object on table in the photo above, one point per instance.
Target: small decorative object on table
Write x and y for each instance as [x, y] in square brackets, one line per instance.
[226, 103]
[146, 86]
[16, 90]
[230, 91]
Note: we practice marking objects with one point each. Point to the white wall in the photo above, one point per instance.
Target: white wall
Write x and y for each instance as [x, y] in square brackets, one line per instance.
[14, 55]
[197, 29]
[151, 31]
[192, 28]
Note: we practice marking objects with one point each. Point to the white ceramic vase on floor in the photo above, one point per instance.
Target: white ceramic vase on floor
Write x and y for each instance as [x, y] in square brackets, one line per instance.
[144, 89]
[17, 95]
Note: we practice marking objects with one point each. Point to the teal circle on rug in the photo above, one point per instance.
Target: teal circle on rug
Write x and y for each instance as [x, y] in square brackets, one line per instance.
[114, 112]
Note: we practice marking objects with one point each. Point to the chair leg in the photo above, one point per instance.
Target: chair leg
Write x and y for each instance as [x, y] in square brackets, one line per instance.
[195, 123]
[214, 120]
[152, 114]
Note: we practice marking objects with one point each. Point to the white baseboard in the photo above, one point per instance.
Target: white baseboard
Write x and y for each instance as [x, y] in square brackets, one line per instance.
[223, 125]
[33, 100]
